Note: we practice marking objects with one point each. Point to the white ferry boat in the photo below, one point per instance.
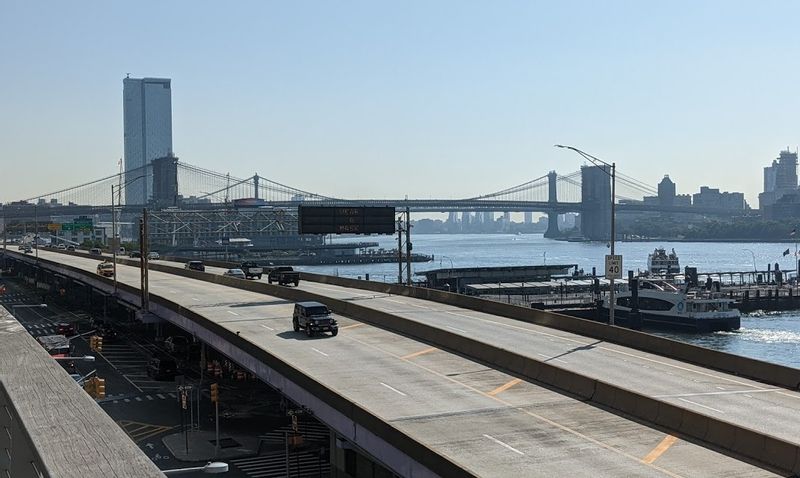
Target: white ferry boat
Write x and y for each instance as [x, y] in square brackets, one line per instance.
[662, 305]
[661, 263]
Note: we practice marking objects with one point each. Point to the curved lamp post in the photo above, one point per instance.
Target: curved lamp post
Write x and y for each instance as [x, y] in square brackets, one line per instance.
[613, 167]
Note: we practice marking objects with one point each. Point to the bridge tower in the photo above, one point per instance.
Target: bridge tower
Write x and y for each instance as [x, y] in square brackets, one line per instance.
[255, 186]
[596, 202]
[552, 198]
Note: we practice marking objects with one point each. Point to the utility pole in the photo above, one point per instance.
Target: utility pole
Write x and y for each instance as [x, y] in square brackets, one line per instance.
[408, 246]
[399, 251]
[114, 238]
[143, 234]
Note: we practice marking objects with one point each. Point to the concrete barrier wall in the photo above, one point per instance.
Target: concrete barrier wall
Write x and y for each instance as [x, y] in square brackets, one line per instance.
[762, 371]
[48, 425]
[723, 435]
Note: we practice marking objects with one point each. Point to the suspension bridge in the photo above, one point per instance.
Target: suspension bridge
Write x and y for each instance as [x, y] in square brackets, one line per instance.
[191, 188]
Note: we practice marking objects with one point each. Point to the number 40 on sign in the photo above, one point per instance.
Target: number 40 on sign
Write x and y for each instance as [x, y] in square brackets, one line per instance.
[613, 266]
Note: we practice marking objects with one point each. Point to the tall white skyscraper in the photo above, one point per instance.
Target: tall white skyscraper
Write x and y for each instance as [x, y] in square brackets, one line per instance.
[147, 111]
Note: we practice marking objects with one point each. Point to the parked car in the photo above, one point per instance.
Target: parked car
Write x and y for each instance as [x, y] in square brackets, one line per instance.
[284, 275]
[195, 266]
[95, 251]
[238, 273]
[313, 317]
[177, 344]
[160, 367]
[67, 329]
[106, 269]
[251, 270]
[135, 255]
[152, 256]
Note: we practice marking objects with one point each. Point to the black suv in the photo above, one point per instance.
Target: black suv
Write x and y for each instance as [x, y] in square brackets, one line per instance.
[313, 317]
[195, 266]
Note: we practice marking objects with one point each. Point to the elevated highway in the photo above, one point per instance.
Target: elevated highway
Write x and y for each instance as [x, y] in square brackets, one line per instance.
[424, 411]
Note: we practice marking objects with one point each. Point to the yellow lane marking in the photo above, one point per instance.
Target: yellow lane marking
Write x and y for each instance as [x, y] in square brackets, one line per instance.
[139, 431]
[659, 450]
[532, 414]
[350, 326]
[417, 354]
[503, 388]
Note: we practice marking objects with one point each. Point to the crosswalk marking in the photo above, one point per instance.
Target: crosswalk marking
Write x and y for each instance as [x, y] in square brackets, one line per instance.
[302, 464]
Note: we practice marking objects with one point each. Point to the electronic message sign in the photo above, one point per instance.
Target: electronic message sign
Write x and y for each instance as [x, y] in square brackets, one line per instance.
[346, 220]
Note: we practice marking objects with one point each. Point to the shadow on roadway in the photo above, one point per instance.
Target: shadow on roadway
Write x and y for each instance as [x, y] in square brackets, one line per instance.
[292, 335]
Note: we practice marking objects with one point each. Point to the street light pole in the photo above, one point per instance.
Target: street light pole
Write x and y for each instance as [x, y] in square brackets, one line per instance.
[613, 174]
[114, 237]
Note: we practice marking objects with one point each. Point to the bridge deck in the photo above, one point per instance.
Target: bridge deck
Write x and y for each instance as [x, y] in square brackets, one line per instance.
[488, 422]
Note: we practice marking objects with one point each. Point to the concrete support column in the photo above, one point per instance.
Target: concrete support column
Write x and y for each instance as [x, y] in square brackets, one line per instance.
[552, 225]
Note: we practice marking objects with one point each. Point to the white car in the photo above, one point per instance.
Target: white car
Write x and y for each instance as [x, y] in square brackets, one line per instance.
[151, 256]
[238, 273]
[62, 247]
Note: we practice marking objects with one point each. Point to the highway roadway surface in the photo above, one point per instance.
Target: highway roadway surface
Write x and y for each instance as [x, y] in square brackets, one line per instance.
[488, 422]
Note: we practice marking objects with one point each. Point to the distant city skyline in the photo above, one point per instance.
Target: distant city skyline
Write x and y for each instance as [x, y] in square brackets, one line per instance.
[381, 100]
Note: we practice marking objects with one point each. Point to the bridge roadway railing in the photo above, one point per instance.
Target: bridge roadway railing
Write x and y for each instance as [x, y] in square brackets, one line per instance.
[739, 441]
[50, 427]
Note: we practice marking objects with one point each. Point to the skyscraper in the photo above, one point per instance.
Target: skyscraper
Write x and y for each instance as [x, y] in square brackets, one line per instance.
[147, 111]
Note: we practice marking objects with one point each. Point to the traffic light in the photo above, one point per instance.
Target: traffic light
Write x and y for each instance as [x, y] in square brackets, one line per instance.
[89, 386]
[99, 388]
[96, 343]
[214, 393]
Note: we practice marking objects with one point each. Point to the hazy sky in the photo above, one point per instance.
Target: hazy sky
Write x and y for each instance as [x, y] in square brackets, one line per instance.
[418, 98]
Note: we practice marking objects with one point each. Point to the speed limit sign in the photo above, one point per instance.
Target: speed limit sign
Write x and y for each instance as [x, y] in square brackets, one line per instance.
[613, 266]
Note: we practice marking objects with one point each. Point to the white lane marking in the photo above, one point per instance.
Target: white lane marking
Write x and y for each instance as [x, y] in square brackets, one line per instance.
[195, 298]
[138, 399]
[233, 313]
[267, 327]
[620, 352]
[150, 398]
[319, 352]
[726, 392]
[504, 445]
[393, 389]
[456, 329]
[173, 292]
[162, 397]
[553, 358]
[720, 388]
[701, 405]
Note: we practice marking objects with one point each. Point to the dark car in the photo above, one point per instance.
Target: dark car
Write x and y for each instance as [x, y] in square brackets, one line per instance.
[65, 328]
[135, 255]
[162, 368]
[70, 248]
[313, 317]
[195, 266]
[95, 251]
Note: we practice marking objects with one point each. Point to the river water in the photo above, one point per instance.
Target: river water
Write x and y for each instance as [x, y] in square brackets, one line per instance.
[773, 337]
